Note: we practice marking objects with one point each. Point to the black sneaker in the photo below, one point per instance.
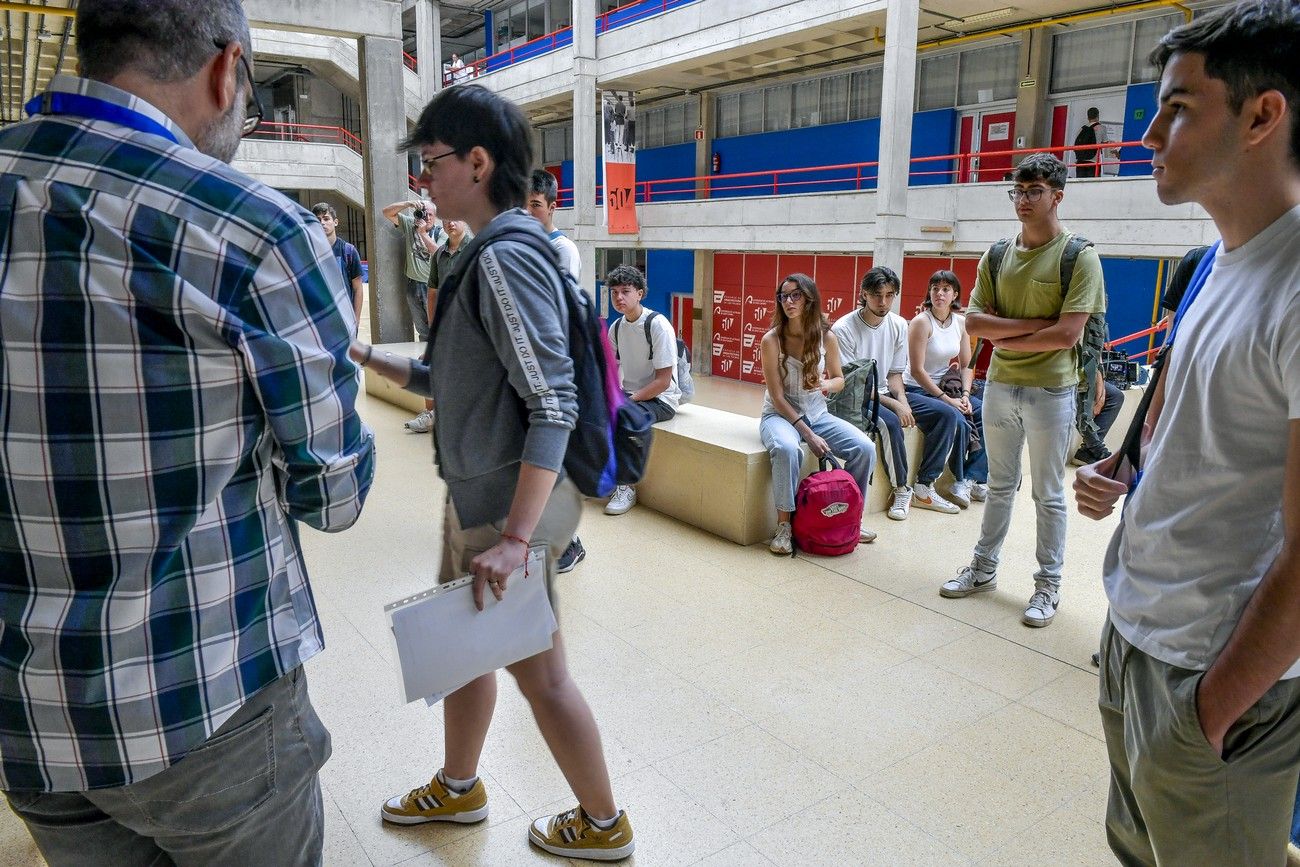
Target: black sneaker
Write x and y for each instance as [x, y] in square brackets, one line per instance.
[572, 556]
[1085, 456]
[1096, 660]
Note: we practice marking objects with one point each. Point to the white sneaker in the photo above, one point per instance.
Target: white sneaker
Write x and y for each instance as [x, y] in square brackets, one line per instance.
[979, 492]
[902, 502]
[1042, 608]
[960, 493]
[782, 543]
[968, 581]
[926, 497]
[422, 423]
[623, 500]
[865, 536]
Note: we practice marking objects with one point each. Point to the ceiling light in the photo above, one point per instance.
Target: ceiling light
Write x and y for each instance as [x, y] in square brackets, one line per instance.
[992, 15]
[779, 60]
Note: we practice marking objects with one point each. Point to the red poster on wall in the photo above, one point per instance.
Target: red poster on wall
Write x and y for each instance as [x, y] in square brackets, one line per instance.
[726, 331]
[834, 278]
[757, 319]
[619, 116]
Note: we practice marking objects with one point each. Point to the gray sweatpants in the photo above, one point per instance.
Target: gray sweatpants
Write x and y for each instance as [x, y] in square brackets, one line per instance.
[1173, 802]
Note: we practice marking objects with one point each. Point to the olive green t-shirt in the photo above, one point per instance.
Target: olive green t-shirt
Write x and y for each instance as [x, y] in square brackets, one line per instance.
[1029, 287]
[418, 257]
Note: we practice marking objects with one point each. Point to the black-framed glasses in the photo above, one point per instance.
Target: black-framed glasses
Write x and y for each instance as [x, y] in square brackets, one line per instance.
[782, 297]
[1032, 194]
[427, 163]
[253, 113]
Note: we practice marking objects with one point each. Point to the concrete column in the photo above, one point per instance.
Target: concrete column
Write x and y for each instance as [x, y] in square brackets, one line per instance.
[704, 147]
[702, 315]
[586, 141]
[896, 130]
[428, 46]
[383, 125]
[1033, 72]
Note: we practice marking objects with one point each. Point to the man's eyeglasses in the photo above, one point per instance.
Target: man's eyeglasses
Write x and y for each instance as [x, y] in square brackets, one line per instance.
[253, 113]
[1032, 194]
[427, 163]
[782, 297]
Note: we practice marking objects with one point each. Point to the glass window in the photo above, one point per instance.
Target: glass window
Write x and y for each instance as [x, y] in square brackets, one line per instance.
[651, 129]
[728, 115]
[518, 23]
[536, 18]
[937, 82]
[554, 144]
[865, 93]
[806, 97]
[675, 124]
[1096, 57]
[992, 69]
[1149, 32]
[751, 112]
[834, 104]
[777, 115]
[561, 14]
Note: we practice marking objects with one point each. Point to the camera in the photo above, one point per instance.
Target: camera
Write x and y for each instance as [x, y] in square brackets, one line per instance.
[421, 213]
[1116, 368]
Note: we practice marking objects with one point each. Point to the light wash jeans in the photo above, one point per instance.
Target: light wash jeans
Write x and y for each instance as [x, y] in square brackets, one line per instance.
[247, 795]
[782, 442]
[1044, 417]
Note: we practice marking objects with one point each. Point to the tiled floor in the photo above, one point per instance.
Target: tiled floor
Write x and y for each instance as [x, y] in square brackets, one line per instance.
[755, 710]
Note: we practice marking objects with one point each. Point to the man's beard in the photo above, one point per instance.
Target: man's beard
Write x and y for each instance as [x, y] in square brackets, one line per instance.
[220, 138]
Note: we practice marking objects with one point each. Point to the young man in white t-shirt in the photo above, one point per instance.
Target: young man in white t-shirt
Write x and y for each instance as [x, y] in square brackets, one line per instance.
[646, 346]
[542, 193]
[1200, 684]
[875, 331]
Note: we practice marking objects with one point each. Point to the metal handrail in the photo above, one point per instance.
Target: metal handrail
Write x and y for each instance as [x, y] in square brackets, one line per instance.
[603, 20]
[1146, 332]
[306, 132]
[411, 63]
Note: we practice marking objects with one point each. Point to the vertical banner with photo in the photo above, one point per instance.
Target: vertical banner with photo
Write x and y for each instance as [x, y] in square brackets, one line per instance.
[618, 136]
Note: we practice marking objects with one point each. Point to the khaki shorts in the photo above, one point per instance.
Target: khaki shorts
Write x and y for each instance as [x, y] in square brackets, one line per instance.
[555, 529]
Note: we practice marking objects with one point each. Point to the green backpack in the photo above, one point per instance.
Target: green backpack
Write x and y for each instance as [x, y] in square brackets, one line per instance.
[1091, 343]
[858, 403]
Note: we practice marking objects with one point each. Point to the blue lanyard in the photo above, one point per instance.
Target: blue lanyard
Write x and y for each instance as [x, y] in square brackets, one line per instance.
[94, 108]
[1194, 286]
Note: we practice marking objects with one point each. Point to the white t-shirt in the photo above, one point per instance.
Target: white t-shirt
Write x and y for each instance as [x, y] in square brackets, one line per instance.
[638, 360]
[568, 251]
[1205, 523]
[943, 346]
[886, 343]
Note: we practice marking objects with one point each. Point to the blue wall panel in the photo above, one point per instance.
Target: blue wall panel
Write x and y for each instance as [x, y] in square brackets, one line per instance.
[668, 273]
[1139, 109]
[934, 133]
[1130, 296]
[673, 161]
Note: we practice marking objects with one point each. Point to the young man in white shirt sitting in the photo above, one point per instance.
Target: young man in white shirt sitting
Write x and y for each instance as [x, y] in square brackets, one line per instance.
[646, 345]
[875, 331]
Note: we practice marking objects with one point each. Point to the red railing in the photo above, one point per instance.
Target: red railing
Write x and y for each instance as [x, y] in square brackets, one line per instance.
[411, 63]
[844, 176]
[1137, 335]
[629, 13]
[306, 132]
[543, 44]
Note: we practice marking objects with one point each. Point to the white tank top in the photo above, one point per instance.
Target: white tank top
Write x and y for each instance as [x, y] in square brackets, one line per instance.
[943, 346]
[811, 402]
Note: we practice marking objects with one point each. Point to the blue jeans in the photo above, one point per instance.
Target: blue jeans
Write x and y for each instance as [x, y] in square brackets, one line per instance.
[893, 450]
[782, 442]
[1045, 418]
[248, 795]
[947, 437]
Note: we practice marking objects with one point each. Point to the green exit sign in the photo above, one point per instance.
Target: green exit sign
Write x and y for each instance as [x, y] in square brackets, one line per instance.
[1139, 113]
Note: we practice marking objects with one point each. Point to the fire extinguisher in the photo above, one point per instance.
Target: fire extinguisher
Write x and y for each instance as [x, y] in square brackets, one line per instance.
[717, 163]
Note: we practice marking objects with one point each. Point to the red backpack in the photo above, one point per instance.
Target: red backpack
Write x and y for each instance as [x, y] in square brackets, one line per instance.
[827, 511]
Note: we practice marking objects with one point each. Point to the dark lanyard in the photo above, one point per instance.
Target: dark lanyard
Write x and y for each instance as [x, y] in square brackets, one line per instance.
[80, 105]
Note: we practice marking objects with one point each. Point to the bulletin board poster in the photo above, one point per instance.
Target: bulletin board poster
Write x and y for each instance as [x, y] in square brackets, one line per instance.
[726, 348]
[618, 139]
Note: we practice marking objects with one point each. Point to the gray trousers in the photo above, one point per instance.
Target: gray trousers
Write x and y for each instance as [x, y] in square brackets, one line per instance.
[1173, 801]
[248, 795]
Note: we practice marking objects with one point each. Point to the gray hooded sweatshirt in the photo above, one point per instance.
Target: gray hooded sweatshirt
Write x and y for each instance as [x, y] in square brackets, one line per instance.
[498, 369]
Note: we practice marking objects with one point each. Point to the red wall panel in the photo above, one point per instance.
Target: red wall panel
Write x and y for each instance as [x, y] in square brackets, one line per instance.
[916, 280]
[834, 278]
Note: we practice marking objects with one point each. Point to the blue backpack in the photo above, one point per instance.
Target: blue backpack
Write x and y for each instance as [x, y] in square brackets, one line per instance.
[610, 444]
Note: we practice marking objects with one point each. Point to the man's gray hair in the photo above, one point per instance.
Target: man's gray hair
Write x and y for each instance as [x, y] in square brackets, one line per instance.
[167, 40]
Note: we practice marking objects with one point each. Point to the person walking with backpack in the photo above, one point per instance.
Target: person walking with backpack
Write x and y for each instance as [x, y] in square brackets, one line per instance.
[1034, 323]
[1087, 160]
[499, 368]
[798, 351]
[646, 348]
[936, 336]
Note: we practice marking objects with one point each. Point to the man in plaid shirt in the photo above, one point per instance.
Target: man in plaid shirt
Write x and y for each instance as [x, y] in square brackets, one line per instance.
[175, 395]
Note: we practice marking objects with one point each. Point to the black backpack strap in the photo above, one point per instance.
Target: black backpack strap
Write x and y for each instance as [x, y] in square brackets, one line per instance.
[618, 325]
[1074, 245]
[996, 254]
[649, 341]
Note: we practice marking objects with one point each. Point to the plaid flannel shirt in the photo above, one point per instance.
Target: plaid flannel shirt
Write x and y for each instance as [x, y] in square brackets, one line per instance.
[175, 394]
